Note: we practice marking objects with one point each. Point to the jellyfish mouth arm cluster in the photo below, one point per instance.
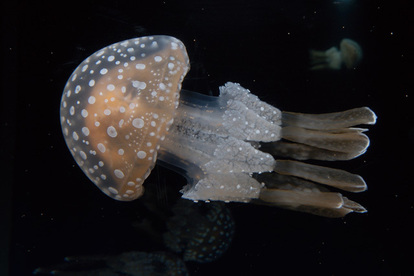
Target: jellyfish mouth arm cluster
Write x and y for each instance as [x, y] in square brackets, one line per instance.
[209, 141]
[223, 164]
[329, 59]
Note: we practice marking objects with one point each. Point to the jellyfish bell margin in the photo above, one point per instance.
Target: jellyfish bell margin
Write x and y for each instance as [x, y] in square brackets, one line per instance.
[123, 107]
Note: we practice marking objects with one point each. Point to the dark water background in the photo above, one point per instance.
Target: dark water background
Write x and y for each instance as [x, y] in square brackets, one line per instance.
[263, 45]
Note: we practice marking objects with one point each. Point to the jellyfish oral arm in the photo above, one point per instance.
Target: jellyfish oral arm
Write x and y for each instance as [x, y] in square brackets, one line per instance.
[329, 59]
[327, 136]
[208, 141]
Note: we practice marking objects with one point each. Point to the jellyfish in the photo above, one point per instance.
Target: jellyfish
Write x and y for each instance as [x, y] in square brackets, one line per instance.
[123, 109]
[349, 53]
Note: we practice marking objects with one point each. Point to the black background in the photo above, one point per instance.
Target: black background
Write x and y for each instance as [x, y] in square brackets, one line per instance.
[263, 45]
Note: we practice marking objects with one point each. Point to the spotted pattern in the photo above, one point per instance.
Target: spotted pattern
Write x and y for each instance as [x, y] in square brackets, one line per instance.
[117, 106]
[200, 232]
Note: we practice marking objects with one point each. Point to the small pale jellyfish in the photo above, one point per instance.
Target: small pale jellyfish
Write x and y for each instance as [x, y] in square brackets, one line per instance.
[349, 54]
[123, 109]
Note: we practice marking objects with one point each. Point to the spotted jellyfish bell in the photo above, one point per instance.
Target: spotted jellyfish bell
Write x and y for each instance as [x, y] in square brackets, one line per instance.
[114, 111]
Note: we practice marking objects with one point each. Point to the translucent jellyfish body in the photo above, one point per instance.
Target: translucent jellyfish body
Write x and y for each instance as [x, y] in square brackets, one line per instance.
[349, 54]
[123, 109]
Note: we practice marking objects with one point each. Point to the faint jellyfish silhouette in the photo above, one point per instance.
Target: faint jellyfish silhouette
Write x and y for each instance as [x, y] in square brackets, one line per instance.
[349, 53]
[195, 232]
[200, 232]
[122, 108]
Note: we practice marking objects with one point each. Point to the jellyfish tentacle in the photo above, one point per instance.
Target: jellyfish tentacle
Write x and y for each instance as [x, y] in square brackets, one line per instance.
[329, 59]
[328, 136]
[317, 56]
[327, 204]
[332, 177]
[295, 197]
[326, 121]
[305, 152]
[293, 193]
[347, 141]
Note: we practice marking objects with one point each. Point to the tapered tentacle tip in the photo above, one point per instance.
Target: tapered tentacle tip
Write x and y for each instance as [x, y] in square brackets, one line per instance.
[355, 183]
[369, 115]
[347, 206]
[353, 206]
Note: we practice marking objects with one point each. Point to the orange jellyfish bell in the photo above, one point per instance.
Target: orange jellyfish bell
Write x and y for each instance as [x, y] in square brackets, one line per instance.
[117, 106]
[351, 53]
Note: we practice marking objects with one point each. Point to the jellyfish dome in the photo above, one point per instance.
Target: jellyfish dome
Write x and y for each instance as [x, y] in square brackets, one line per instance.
[123, 109]
[351, 53]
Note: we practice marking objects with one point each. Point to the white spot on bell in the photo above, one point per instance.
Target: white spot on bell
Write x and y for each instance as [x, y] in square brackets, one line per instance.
[85, 131]
[101, 147]
[77, 89]
[112, 190]
[83, 155]
[140, 66]
[141, 154]
[138, 123]
[157, 58]
[75, 136]
[84, 113]
[110, 87]
[139, 84]
[91, 100]
[111, 131]
[119, 173]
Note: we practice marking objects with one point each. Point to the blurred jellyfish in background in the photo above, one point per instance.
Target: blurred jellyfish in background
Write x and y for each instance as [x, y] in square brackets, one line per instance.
[192, 232]
[200, 232]
[349, 54]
